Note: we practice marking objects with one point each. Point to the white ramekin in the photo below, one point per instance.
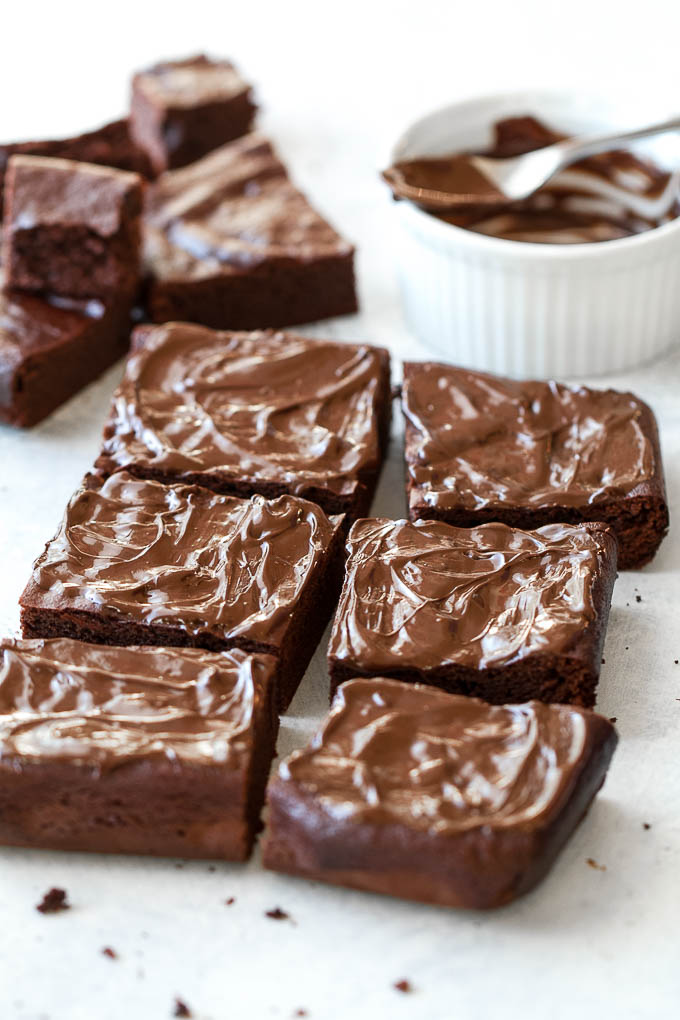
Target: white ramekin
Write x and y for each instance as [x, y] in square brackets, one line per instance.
[536, 310]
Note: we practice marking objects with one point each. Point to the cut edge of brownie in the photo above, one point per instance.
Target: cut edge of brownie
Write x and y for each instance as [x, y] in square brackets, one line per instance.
[280, 294]
[568, 677]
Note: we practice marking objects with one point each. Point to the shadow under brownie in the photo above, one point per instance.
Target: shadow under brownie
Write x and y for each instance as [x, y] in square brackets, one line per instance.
[133, 750]
[140, 563]
[232, 244]
[491, 612]
[482, 448]
[429, 796]
[245, 413]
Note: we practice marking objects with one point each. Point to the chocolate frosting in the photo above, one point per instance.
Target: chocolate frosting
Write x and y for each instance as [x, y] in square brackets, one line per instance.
[47, 191]
[393, 753]
[183, 84]
[184, 557]
[230, 212]
[571, 208]
[66, 701]
[475, 440]
[251, 406]
[427, 595]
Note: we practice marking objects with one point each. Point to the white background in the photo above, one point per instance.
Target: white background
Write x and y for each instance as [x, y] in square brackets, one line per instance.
[338, 83]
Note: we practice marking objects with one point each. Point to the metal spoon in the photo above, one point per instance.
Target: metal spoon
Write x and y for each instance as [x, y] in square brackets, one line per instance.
[509, 180]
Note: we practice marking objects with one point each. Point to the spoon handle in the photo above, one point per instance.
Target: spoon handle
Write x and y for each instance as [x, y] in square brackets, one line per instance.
[591, 145]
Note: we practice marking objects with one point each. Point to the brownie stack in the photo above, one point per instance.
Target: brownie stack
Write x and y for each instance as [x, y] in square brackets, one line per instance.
[171, 618]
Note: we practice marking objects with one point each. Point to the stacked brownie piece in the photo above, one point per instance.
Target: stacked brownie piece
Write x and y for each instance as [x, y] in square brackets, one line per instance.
[71, 262]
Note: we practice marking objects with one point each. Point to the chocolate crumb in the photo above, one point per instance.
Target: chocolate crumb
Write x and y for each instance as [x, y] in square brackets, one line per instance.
[403, 985]
[603, 660]
[646, 825]
[111, 953]
[626, 647]
[181, 1008]
[277, 914]
[612, 719]
[231, 900]
[676, 661]
[53, 901]
[300, 1012]
[593, 864]
[211, 867]
[179, 865]
[638, 598]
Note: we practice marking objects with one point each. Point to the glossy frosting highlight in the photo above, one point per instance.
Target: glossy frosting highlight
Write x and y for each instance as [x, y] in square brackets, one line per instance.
[231, 212]
[183, 557]
[66, 701]
[425, 595]
[475, 440]
[261, 406]
[393, 753]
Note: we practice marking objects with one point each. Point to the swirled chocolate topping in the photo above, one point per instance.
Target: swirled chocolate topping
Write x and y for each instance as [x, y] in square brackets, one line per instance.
[232, 211]
[182, 557]
[393, 753]
[251, 407]
[475, 440]
[427, 595]
[66, 701]
[585, 202]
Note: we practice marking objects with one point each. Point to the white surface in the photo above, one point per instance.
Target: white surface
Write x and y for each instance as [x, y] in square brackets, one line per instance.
[339, 84]
[537, 310]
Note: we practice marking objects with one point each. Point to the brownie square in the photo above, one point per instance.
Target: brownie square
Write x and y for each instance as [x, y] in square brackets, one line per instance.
[51, 348]
[140, 563]
[110, 145]
[133, 750]
[246, 413]
[182, 109]
[232, 244]
[481, 448]
[493, 612]
[71, 229]
[430, 796]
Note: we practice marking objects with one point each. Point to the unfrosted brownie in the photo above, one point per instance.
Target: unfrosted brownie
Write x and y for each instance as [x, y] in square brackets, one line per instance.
[182, 109]
[109, 145]
[481, 448]
[252, 412]
[133, 750]
[138, 562]
[492, 612]
[232, 244]
[71, 229]
[429, 796]
[51, 348]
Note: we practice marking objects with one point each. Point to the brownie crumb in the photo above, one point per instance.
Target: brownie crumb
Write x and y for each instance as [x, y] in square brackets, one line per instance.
[300, 1012]
[53, 901]
[676, 661]
[111, 953]
[403, 986]
[277, 914]
[211, 868]
[181, 1008]
[593, 864]
[603, 660]
[638, 598]
[230, 901]
[646, 825]
[179, 864]
[612, 719]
